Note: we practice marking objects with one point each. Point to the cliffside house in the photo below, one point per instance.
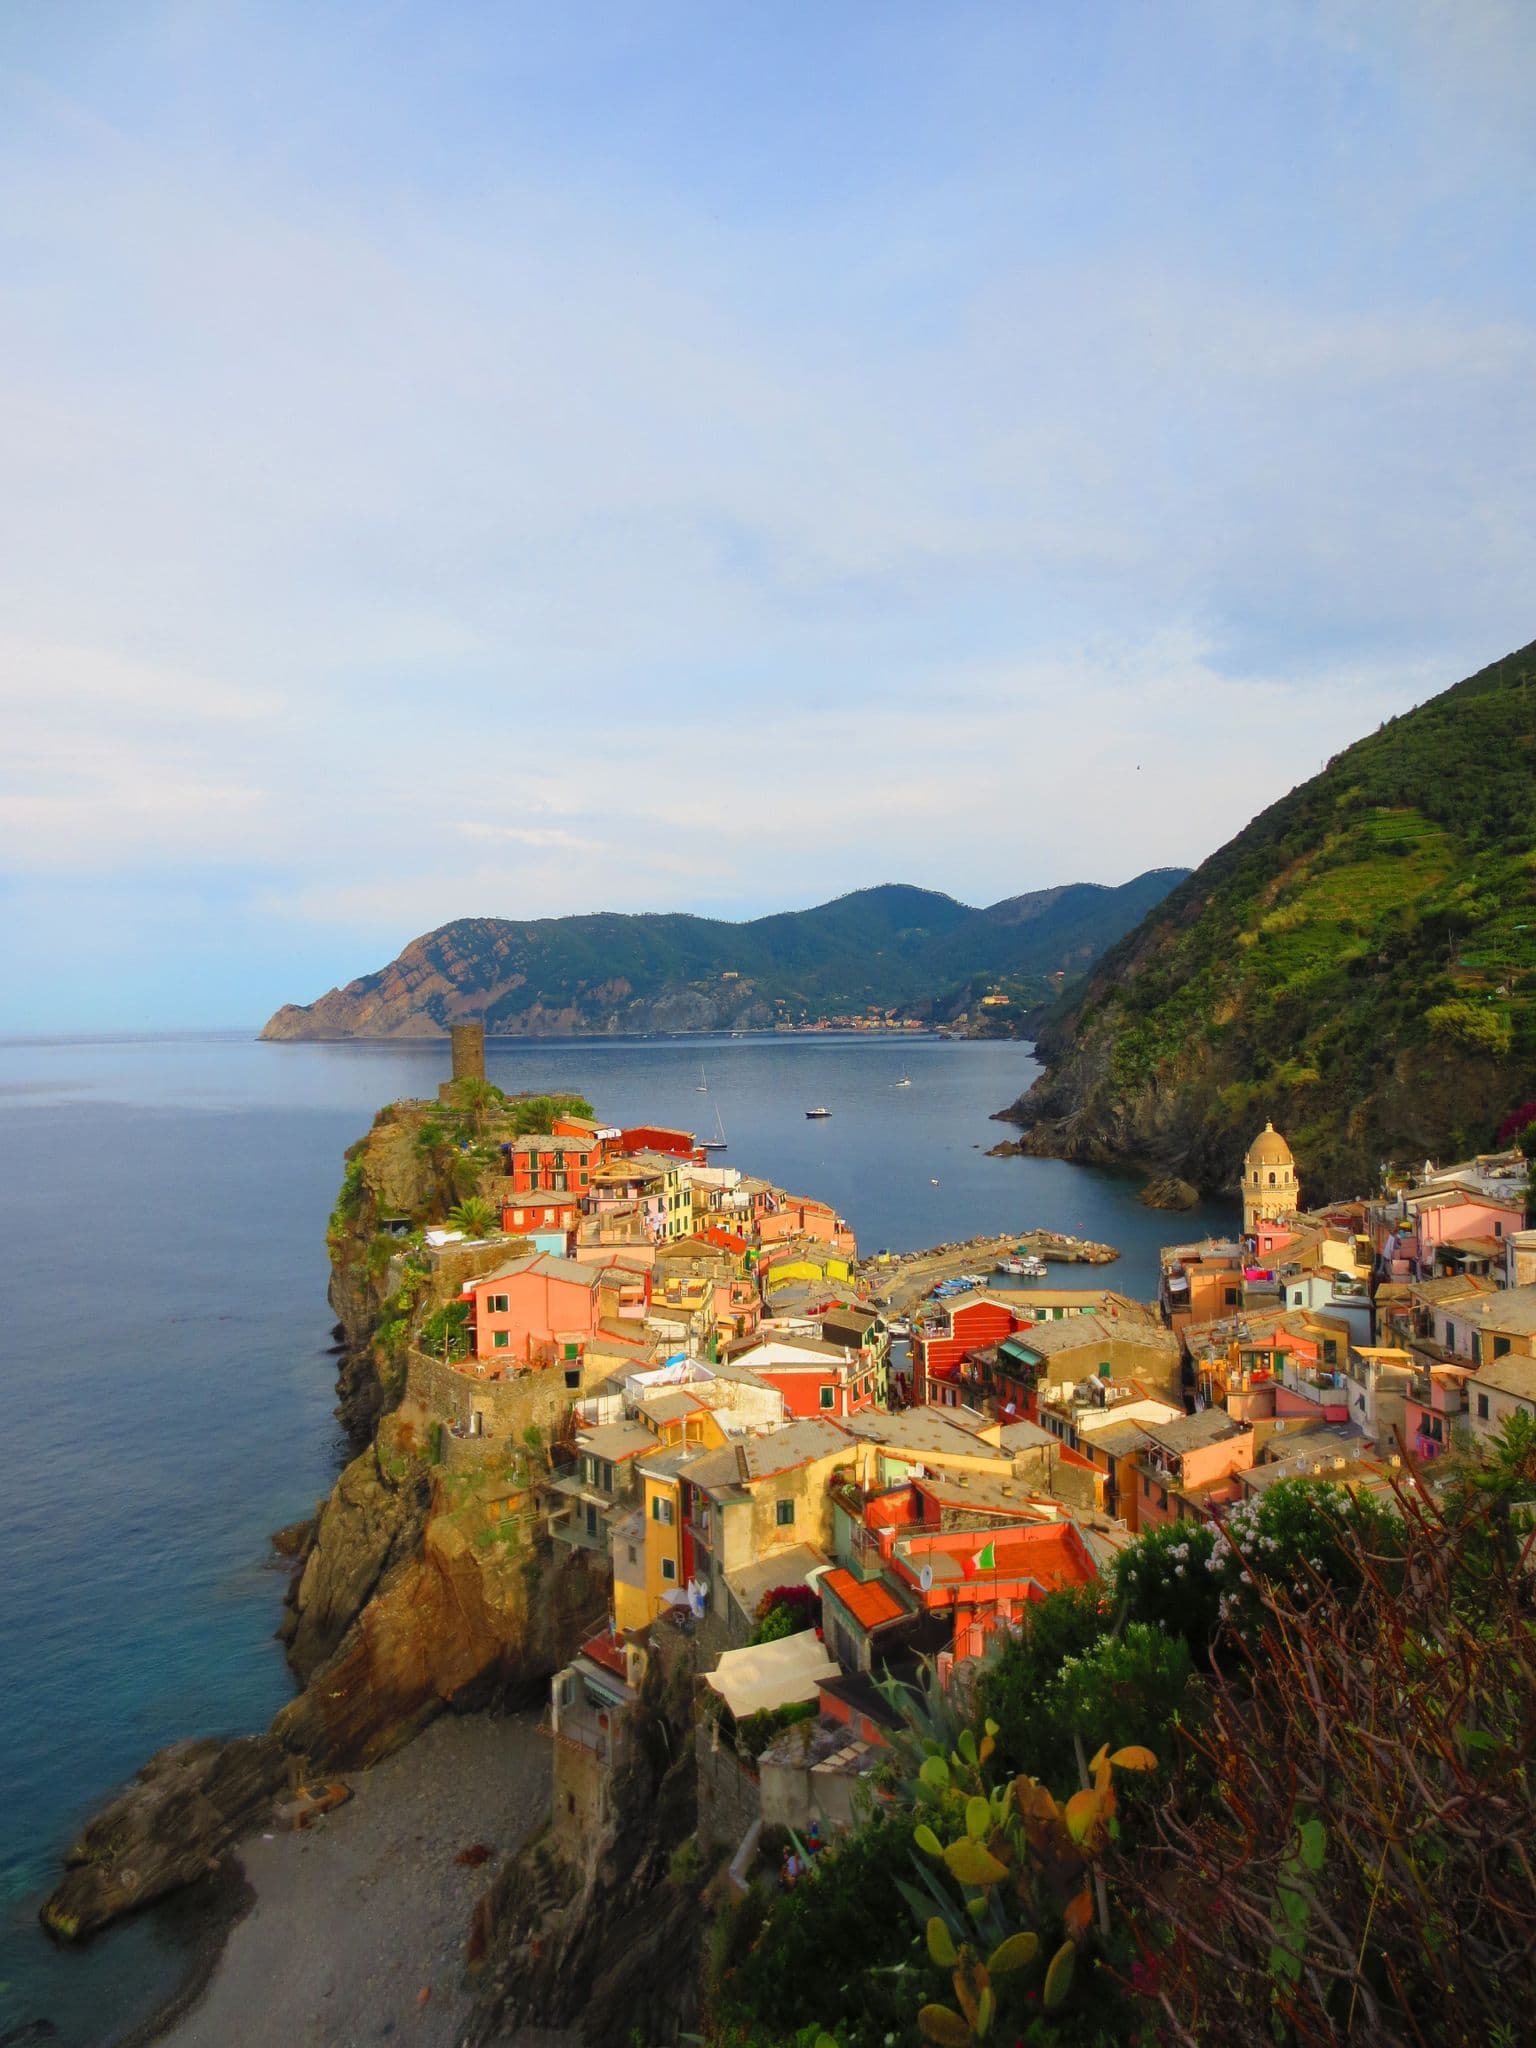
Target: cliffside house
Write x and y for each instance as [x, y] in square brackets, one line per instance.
[756, 1514]
[544, 1164]
[1498, 1390]
[1189, 1467]
[1456, 1220]
[1200, 1282]
[540, 1310]
[813, 1376]
[601, 1488]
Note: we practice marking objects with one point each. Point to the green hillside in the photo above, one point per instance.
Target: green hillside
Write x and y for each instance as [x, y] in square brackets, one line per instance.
[1359, 964]
[893, 947]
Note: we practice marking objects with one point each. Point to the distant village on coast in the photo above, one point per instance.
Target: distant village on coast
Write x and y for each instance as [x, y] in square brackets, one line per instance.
[779, 1481]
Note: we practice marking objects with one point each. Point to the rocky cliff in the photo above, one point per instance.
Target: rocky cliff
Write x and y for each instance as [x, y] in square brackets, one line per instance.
[1358, 964]
[415, 1590]
[894, 947]
[606, 1944]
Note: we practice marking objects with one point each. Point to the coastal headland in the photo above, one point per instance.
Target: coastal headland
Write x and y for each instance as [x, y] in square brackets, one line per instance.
[427, 1580]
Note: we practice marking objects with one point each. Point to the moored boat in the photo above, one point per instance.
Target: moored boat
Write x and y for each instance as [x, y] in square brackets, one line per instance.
[818, 1112]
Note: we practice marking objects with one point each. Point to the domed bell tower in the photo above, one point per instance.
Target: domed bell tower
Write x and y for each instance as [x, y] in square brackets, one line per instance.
[1270, 1192]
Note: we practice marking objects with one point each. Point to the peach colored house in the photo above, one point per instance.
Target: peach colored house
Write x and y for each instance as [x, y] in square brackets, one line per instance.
[1200, 1282]
[1188, 1467]
[801, 1216]
[534, 1311]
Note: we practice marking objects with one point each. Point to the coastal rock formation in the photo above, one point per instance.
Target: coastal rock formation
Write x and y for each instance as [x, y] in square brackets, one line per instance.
[1358, 964]
[1169, 1192]
[449, 1626]
[370, 1522]
[399, 1608]
[893, 947]
[167, 1829]
[609, 1949]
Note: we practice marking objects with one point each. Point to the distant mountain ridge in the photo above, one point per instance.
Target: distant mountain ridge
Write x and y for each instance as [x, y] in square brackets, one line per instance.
[898, 947]
[1358, 964]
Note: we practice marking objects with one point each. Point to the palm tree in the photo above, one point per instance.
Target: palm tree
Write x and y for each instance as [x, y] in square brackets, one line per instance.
[474, 1216]
[478, 1099]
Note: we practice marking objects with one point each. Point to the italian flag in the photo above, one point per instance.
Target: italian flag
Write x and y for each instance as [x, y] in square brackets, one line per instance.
[984, 1560]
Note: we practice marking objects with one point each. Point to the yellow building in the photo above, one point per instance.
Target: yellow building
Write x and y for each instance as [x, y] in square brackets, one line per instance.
[1270, 1192]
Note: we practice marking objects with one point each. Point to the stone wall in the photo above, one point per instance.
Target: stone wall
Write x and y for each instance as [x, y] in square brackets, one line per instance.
[506, 1408]
[729, 1800]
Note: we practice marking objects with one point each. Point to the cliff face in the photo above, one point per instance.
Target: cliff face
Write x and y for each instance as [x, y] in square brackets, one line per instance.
[897, 947]
[610, 1948]
[1359, 965]
[415, 1590]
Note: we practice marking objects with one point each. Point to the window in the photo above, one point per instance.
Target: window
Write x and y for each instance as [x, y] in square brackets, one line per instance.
[591, 1518]
[497, 1303]
[500, 1339]
[1330, 1352]
[668, 1568]
[573, 1351]
[829, 1397]
[573, 1377]
[517, 1215]
[1498, 1230]
[634, 1557]
[1271, 1180]
[784, 1514]
[1450, 1334]
[1231, 1297]
[661, 1509]
[1482, 1407]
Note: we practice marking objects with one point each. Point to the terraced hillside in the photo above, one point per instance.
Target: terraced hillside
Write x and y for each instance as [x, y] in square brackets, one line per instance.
[1359, 964]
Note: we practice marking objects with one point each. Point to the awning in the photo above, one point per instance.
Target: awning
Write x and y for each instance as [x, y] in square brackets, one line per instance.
[770, 1675]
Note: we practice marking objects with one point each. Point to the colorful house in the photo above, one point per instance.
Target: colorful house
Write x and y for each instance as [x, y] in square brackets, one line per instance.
[536, 1310]
[1189, 1465]
[814, 1377]
[544, 1164]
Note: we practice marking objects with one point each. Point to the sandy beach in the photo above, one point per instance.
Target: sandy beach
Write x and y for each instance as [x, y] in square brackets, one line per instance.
[357, 1916]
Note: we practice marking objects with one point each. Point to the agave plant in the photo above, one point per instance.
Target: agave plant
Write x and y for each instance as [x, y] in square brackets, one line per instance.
[1005, 1872]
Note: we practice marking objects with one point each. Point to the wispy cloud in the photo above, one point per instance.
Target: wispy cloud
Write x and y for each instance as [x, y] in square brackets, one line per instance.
[512, 462]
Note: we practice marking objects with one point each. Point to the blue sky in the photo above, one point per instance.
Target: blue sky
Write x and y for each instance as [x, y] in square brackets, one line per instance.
[502, 459]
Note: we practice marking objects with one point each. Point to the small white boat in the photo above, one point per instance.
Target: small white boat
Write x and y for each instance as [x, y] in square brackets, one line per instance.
[1033, 1268]
[1015, 1267]
[818, 1112]
[905, 1081]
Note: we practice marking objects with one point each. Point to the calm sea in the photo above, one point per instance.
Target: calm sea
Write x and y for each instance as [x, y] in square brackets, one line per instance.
[168, 1390]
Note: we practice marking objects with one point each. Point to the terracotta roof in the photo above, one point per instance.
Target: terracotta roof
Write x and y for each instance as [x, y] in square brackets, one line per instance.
[870, 1603]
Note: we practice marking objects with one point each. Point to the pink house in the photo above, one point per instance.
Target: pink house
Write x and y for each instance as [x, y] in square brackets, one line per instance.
[1188, 1466]
[1459, 1226]
[535, 1311]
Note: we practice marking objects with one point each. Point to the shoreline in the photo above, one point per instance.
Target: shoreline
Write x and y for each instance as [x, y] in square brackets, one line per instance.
[356, 1926]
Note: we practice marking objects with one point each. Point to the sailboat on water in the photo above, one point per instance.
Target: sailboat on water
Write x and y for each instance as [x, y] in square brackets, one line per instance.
[718, 1142]
[701, 1086]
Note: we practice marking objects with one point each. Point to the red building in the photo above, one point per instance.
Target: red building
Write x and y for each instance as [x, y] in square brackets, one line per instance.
[557, 1214]
[548, 1164]
[815, 1378]
[658, 1138]
[970, 1324]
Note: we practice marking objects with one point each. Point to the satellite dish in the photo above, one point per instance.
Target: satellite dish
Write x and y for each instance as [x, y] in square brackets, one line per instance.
[925, 1578]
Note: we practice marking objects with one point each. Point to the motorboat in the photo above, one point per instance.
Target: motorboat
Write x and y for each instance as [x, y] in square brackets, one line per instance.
[818, 1112]
[905, 1081]
[1013, 1267]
